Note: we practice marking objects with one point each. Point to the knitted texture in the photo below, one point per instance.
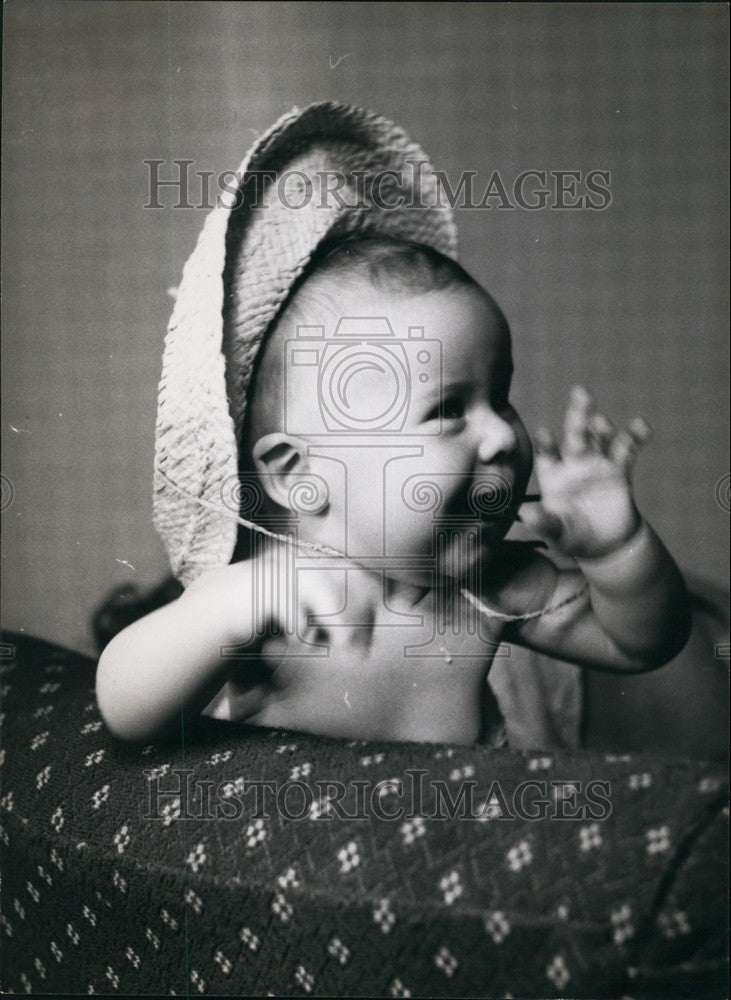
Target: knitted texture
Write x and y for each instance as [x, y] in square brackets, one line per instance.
[249, 254]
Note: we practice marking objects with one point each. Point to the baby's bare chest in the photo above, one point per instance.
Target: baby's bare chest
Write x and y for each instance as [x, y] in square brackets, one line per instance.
[417, 674]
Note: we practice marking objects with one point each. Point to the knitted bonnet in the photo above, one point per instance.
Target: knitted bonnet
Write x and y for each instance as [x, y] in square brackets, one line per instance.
[327, 171]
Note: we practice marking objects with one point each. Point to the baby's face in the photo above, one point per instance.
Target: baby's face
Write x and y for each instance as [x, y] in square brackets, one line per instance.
[438, 462]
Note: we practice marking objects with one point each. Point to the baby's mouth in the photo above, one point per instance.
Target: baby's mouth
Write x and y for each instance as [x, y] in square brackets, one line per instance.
[490, 511]
[487, 507]
[510, 513]
[465, 516]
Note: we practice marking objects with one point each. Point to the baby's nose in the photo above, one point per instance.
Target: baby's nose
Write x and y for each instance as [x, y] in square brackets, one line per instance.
[498, 437]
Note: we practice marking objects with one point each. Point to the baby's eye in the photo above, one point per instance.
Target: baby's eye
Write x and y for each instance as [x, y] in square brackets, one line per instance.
[449, 409]
[453, 408]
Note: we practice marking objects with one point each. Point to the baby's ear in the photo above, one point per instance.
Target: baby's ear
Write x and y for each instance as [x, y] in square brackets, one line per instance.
[281, 460]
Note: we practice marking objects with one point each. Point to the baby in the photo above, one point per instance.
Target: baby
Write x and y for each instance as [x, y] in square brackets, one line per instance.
[379, 581]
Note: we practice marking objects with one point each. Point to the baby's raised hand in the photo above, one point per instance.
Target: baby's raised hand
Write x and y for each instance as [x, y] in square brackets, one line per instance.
[587, 509]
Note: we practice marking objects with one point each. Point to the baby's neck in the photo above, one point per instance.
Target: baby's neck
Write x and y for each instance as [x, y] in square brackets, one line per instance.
[396, 588]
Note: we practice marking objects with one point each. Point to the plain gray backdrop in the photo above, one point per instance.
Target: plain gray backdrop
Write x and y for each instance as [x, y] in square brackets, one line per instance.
[632, 300]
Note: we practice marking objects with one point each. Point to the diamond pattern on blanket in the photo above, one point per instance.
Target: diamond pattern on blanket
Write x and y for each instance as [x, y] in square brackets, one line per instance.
[242, 861]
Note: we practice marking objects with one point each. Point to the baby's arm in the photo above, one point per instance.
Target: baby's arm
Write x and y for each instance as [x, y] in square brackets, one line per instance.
[636, 613]
[170, 660]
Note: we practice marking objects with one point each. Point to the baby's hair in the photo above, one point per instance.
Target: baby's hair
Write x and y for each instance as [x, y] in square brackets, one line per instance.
[385, 263]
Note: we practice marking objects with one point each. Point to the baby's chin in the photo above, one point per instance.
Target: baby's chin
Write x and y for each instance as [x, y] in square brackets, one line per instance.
[460, 555]
[472, 551]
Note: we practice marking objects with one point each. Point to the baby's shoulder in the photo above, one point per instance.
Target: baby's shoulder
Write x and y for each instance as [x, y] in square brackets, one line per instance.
[520, 578]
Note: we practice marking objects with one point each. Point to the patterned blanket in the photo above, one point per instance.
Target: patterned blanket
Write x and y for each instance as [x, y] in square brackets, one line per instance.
[240, 861]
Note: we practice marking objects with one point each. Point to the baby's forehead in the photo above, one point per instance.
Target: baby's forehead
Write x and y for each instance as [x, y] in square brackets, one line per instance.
[338, 307]
[356, 338]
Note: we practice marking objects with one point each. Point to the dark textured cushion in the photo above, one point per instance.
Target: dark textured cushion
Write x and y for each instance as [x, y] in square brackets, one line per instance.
[112, 884]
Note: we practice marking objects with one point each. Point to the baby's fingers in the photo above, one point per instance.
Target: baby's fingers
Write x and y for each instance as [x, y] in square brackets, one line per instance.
[546, 444]
[538, 519]
[576, 429]
[602, 432]
[628, 442]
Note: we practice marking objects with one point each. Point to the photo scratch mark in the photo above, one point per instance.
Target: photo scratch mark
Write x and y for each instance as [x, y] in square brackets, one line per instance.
[345, 699]
[124, 562]
[334, 65]
[18, 430]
